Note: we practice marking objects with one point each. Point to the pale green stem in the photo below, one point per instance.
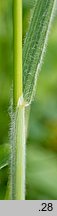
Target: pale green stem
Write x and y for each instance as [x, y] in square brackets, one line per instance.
[18, 116]
[17, 52]
[20, 153]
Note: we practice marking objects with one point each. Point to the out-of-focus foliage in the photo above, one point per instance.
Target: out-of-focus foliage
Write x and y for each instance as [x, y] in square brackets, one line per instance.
[5, 85]
[5, 65]
[41, 169]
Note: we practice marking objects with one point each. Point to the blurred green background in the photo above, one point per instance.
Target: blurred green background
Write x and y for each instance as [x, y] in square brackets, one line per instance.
[41, 151]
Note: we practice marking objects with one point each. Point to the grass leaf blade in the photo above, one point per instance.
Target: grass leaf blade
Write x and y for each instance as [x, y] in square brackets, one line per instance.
[34, 45]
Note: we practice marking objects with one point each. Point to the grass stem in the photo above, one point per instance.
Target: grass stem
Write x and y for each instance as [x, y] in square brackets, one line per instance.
[18, 119]
[17, 52]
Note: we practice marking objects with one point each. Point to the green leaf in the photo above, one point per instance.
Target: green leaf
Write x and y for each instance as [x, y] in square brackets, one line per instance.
[4, 160]
[4, 155]
[34, 45]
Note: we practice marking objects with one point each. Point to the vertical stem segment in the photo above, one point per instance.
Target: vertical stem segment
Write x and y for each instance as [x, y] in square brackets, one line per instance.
[20, 154]
[17, 54]
[18, 119]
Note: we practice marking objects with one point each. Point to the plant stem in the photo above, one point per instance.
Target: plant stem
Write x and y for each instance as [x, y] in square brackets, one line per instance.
[18, 118]
[20, 154]
[17, 34]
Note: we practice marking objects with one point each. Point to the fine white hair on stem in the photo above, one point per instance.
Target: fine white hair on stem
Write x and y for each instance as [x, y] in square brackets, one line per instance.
[12, 146]
[17, 124]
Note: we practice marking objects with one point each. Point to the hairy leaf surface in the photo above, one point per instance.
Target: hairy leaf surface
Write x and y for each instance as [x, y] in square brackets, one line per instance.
[34, 45]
